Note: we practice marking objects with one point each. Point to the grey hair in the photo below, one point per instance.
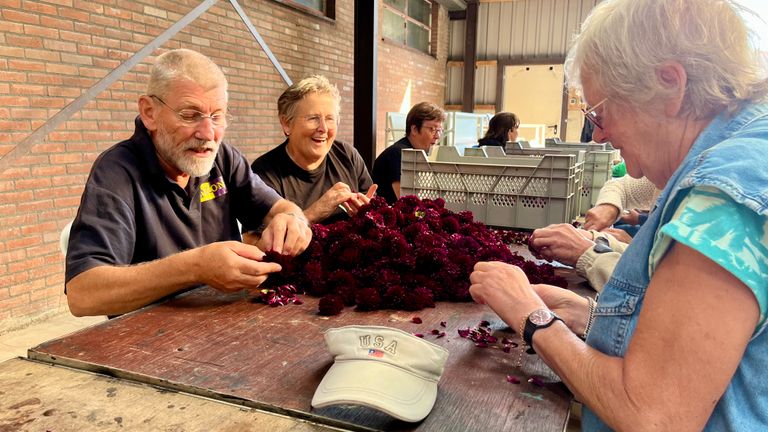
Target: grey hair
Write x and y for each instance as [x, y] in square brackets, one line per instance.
[623, 42]
[181, 64]
[286, 103]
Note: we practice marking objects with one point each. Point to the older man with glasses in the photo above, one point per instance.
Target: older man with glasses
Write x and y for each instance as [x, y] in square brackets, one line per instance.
[423, 129]
[160, 210]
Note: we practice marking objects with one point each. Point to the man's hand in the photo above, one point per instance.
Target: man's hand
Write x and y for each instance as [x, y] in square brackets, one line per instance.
[232, 266]
[561, 242]
[287, 233]
[600, 217]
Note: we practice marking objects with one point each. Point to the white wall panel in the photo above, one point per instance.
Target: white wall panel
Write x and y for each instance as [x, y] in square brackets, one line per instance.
[485, 85]
[453, 86]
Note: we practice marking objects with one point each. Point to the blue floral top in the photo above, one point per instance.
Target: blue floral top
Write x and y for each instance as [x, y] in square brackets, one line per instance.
[733, 236]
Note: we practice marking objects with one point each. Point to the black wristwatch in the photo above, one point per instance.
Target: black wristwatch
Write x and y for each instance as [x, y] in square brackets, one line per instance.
[538, 319]
[601, 245]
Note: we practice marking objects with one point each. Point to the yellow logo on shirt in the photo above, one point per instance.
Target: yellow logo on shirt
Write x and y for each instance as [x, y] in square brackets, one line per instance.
[212, 189]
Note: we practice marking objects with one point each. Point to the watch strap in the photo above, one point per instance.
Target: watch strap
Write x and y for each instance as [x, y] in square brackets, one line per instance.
[530, 328]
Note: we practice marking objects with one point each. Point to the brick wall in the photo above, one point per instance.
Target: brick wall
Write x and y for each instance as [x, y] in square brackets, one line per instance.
[399, 65]
[52, 51]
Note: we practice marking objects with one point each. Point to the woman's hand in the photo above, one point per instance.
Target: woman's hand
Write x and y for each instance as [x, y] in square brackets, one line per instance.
[334, 197]
[506, 290]
[571, 307]
[561, 242]
[600, 217]
[619, 234]
[352, 205]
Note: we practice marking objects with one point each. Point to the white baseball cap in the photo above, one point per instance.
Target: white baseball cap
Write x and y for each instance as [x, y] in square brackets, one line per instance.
[382, 368]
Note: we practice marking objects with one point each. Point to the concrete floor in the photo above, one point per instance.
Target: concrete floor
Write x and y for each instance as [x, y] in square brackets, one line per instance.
[15, 343]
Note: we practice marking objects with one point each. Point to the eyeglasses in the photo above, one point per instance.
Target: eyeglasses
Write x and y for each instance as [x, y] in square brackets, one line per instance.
[315, 120]
[193, 117]
[591, 114]
[434, 130]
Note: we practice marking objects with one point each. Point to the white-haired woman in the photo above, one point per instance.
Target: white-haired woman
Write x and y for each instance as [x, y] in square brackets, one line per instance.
[679, 338]
[328, 179]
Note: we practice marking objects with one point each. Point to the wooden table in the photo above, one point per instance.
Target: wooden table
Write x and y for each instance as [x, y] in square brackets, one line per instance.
[225, 347]
[38, 397]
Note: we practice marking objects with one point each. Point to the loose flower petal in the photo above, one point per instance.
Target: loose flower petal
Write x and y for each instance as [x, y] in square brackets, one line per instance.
[416, 320]
[513, 379]
[421, 335]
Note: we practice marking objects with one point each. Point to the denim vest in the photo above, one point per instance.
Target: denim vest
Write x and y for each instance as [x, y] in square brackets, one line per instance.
[731, 154]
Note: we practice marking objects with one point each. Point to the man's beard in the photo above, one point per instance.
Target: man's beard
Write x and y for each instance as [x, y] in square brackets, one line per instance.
[177, 156]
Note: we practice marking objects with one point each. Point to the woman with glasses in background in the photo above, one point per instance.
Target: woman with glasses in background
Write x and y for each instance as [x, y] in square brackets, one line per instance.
[677, 339]
[326, 178]
[423, 129]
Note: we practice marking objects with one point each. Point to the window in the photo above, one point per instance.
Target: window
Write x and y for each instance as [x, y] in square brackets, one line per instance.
[324, 8]
[314, 4]
[408, 22]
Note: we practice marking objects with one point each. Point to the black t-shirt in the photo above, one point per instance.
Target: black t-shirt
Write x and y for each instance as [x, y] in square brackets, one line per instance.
[342, 164]
[130, 212]
[386, 169]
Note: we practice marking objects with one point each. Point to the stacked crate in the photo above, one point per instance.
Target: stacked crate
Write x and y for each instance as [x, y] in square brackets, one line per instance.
[516, 192]
[598, 164]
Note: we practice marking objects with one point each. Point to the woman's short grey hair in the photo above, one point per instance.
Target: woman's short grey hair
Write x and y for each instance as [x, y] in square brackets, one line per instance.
[184, 64]
[623, 42]
[286, 103]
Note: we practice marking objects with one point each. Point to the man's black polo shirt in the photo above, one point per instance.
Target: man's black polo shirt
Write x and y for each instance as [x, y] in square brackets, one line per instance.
[130, 212]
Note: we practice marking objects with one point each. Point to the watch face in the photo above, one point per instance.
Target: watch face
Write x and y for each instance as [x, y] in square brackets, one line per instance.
[541, 316]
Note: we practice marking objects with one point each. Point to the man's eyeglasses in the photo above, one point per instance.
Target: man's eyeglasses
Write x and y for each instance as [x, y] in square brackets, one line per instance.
[591, 114]
[315, 120]
[193, 117]
[434, 130]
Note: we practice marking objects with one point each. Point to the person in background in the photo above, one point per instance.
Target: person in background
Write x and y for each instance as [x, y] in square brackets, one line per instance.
[617, 199]
[325, 177]
[502, 128]
[677, 339]
[160, 211]
[423, 128]
[591, 253]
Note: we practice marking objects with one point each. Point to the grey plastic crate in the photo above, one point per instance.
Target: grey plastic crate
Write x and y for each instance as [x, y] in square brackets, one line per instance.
[517, 192]
[597, 167]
